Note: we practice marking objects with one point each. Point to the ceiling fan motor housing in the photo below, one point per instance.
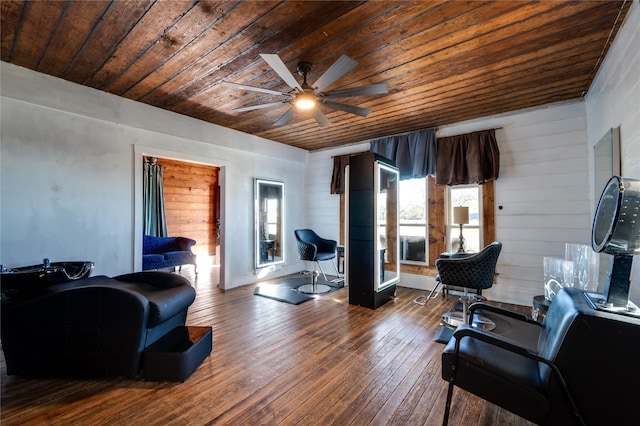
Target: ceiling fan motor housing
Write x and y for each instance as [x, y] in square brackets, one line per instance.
[304, 68]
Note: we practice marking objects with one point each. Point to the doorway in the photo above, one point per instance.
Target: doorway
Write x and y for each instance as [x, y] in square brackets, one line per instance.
[194, 206]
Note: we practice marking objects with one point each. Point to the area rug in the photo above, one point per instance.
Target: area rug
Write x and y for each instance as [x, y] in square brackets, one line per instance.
[285, 290]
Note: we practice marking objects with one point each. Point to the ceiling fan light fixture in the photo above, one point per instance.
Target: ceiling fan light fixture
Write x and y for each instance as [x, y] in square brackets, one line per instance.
[305, 100]
[306, 97]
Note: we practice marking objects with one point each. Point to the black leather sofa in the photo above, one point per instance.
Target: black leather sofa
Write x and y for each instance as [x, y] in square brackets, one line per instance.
[93, 327]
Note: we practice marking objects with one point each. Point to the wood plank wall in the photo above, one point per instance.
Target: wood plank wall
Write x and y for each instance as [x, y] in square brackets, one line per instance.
[192, 202]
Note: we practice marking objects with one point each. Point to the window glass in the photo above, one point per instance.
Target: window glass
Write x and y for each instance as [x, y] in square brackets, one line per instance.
[413, 221]
[466, 196]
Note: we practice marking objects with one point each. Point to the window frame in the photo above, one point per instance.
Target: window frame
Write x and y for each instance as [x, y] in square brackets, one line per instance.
[451, 227]
[425, 225]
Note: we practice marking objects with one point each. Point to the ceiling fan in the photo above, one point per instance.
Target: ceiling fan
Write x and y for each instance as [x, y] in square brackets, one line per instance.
[309, 96]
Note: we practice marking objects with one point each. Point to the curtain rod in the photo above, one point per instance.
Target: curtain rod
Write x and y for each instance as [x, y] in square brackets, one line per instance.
[406, 133]
[428, 128]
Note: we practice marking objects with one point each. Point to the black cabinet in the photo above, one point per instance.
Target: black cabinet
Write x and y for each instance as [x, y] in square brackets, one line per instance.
[372, 249]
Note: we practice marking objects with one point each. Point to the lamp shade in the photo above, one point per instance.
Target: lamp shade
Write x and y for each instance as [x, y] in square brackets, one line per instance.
[461, 215]
[305, 100]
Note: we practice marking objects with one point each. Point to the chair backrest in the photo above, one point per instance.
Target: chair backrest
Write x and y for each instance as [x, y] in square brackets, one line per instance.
[310, 245]
[307, 246]
[475, 271]
[597, 354]
[307, 236]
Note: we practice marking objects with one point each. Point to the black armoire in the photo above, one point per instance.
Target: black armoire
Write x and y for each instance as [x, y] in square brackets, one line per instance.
[372, 242]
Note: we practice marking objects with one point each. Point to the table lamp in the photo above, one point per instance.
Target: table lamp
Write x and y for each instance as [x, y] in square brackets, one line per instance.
[461, 217]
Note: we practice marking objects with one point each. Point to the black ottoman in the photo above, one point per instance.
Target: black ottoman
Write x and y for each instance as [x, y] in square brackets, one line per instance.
[175, 356]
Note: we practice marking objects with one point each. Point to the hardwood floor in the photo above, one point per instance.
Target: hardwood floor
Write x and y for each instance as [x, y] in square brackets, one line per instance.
[320, 363]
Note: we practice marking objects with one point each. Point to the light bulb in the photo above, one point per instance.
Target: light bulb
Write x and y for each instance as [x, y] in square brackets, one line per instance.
[305, 100]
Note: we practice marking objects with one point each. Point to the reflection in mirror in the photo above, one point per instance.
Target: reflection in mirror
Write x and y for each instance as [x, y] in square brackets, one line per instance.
[269, 222]
[388, 245]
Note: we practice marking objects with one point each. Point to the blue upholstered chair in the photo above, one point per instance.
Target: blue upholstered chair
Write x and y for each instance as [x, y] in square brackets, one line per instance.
[315, 249]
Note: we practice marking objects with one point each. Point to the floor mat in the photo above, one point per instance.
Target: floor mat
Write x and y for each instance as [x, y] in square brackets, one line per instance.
[285, 290]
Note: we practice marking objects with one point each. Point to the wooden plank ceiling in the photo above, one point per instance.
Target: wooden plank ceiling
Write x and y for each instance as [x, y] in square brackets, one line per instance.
[443, 61]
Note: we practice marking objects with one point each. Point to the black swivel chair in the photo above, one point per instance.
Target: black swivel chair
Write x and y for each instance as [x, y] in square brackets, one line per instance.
[316, 249]
[475, 272]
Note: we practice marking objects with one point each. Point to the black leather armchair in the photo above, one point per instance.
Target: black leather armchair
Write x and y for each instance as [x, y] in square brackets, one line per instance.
[578, 372]
[93, 327]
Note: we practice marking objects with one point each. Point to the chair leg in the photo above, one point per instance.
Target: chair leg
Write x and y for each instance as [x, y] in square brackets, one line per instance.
[335, 266]
[465, 306]
[423, 299]
[447, 407]
[323, 274]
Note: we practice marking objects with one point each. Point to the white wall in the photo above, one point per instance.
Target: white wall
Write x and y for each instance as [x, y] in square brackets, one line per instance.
[71, 176]
[323, 208]
[614, 100]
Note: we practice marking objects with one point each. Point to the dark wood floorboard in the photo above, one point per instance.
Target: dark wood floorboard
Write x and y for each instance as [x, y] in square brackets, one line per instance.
[323, 362]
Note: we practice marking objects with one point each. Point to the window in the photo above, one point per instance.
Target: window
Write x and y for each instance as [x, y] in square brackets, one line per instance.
[426, 212]
[414, 225]
[413, 221]
[467, 196]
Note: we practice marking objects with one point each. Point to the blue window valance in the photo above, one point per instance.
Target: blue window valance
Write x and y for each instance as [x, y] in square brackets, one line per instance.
[413, 153]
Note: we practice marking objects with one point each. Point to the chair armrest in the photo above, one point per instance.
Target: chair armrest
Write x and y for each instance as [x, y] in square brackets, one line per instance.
[185, 244]
[155, 279]
[506, 312]
[468, 331]
[327, 246]
[307, 251]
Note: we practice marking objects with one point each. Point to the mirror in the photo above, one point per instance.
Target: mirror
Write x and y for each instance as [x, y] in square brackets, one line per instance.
[606, 162]
[269, 221]
[388, 244]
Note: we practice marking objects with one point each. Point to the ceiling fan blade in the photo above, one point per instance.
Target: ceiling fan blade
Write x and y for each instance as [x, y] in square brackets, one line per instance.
[280, 68]
[252, 88]
[373, 89]
[322, 119]
[363, 112]
[343, 65]
[259, 106]
[285, 117]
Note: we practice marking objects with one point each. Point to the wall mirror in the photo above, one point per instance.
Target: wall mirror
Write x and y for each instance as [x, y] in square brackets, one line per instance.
[269, 222]
[388, 246]
[606, 163]
[606, 160]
